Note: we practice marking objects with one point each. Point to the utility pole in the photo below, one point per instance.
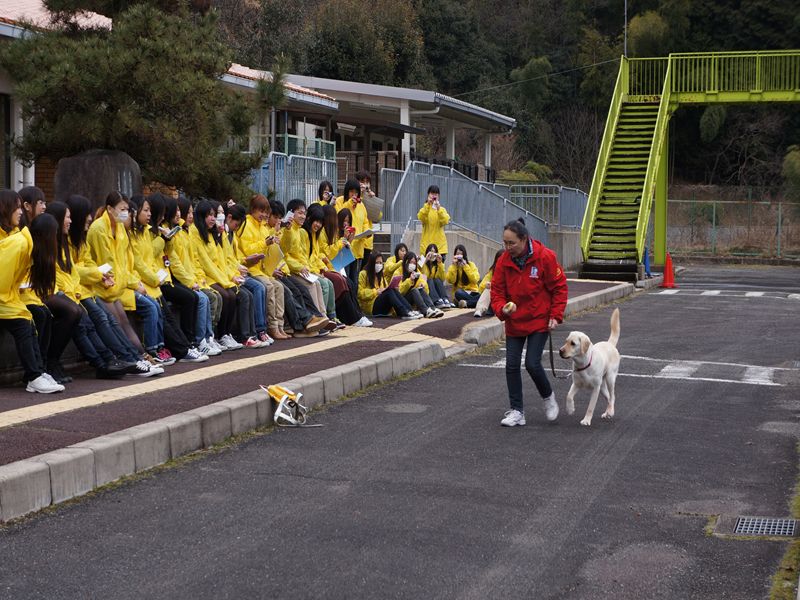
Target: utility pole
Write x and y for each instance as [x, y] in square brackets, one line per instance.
[625, 32]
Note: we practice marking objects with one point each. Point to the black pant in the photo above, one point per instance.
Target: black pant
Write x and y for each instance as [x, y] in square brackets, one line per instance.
[24, 333]
[184, 302]
[245, 319]
[420, 299]
[388, 300]
[227, 319]
[352, 271]
[294, 313]
[173, 336]
[43, 323]
[66, 316]
[533, 364]
[302, 296]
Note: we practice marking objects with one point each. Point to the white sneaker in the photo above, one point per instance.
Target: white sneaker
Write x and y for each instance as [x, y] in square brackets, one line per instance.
[44, 385]
[215, 344]
[415, 314]
[230, 343]
[431, 313]
[513, 418]
[208, 349]
[51, 379]
[145, 369]
[193, 355]
[551, 407]
[363, 322]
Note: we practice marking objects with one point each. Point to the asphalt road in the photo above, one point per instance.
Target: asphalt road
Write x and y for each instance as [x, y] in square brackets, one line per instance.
[415, 491]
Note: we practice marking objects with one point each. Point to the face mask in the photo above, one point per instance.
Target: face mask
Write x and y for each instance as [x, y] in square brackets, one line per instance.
[378, 267]
[220, 221]
[123, 215]
[412, 267]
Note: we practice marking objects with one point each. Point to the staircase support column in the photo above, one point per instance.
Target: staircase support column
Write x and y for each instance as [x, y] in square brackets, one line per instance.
[660, 217]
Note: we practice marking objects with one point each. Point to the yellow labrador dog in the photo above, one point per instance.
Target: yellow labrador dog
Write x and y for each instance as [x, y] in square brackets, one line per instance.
[594, 366]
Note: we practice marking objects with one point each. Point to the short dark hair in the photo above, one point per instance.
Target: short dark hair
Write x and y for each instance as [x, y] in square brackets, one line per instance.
[363, 175]
[434, 189]
[518, 228]
[294, 204]
[276, 208]
[351, 184]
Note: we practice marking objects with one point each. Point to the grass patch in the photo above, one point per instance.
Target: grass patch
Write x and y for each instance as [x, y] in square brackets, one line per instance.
[784, 581]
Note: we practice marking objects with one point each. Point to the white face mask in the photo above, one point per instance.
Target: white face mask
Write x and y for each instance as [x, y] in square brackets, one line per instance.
[220, 221]
[378, 267]
[123, 215]
[412, 267]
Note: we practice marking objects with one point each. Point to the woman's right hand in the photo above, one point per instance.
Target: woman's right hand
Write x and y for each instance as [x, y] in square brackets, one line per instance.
[510, 308]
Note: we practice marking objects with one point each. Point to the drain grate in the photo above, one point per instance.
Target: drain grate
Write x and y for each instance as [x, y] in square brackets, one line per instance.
[765, 526]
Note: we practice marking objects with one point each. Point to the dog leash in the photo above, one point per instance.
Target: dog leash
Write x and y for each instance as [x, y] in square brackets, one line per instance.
[552, 363]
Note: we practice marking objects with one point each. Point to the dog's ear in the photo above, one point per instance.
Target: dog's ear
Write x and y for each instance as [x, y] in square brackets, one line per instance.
[585, 343]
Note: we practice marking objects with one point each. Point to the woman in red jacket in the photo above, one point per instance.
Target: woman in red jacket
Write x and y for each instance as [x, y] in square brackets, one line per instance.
[529, 293]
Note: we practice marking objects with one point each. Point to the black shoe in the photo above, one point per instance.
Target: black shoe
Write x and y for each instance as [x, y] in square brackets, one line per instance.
[119, 366]
[56, 371]
[107, 373]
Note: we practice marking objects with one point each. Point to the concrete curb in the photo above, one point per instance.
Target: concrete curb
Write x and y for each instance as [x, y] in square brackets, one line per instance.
[35, 483]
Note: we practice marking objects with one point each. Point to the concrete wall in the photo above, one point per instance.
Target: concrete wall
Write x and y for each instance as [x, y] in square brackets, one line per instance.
[567, 246]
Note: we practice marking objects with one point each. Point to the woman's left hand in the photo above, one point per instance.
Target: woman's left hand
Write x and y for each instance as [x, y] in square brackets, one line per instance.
[552, 324]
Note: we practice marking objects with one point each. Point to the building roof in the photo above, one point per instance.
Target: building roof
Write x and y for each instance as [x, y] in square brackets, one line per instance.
[419, 100]
[247, 77]
[17, 15]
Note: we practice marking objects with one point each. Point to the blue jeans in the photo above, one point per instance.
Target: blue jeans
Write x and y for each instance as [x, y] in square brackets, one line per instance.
[149, 311]
[109, 331]
[533, 364]
[438, 292]
[471, 298]
[89, 344]
[204, 327]
[259, 292]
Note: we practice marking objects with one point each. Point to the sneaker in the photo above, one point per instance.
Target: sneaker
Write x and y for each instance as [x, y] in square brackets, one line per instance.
[56, 371]
[208, 349]
[164, 357]
[107, 373]
[513, 418]
[363, 322]
[115, 365]
[215, 344]
[411, 316]
[430, 313]
[315, 324]
[478, 314]
[339, 325]
[265, 339]
[551, 407]
[44, 385]
[150, 359]
[330, 326]
[252, 342]
[230, 343]
[439, 303]
[462, 304]
[437, 313]
[194, 355]
[144, 369]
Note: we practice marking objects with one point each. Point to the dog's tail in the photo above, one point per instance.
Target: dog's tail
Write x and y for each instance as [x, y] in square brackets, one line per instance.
[614, 337]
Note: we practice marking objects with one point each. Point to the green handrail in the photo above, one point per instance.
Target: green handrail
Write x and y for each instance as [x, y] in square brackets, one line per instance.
[653, 162]
[620, 88]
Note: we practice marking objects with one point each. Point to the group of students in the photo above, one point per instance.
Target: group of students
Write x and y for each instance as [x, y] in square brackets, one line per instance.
[146, 281]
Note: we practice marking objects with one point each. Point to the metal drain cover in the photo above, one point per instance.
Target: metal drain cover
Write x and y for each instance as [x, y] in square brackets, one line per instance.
[765, 526]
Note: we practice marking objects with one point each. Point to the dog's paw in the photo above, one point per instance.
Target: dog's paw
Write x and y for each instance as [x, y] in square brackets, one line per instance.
[609, 414]
[586, 422]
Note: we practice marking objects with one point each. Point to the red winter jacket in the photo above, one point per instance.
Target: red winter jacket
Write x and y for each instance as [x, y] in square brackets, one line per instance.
[539, 290]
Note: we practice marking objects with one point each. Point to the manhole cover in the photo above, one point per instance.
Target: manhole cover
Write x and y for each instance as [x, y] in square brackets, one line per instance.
[406, 407]
[765, 526]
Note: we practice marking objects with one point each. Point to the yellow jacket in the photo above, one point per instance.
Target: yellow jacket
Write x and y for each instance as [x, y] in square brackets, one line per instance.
[182, 261]
[318, 257]
[88, 272]
[147, 252]
[252, 235]
[16, 251]
[233, 255]
[433, 269]
[454, 277]
[270, 232]
[407, 284]
[326, 248]
[110, 246]
[360, 222]
[367, 294]
[210, 257]
[390, 267]
[433, 222]
[486, 279]
[294, 244]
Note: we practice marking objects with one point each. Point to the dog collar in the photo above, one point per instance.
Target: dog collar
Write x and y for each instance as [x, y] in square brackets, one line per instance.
[589, 364]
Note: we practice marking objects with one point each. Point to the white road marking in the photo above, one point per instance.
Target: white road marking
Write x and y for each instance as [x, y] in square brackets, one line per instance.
[679, 370]
[704, 362]
[754, 294]
[761, 375]
[710, 293]
[794, 296]
[668, 292]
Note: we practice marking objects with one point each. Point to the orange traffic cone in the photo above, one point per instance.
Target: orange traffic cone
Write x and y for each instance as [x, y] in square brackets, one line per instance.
[669, 276]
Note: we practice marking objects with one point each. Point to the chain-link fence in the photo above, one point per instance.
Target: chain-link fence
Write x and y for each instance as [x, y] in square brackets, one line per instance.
[768, 228]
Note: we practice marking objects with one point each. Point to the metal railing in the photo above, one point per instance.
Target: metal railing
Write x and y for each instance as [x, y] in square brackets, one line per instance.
[470, 204]
[293, 176]
[646, 76]
[556, 204]
[302, 146]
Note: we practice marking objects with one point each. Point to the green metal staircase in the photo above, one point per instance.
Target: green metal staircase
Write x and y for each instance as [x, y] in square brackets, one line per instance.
[630, 176]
